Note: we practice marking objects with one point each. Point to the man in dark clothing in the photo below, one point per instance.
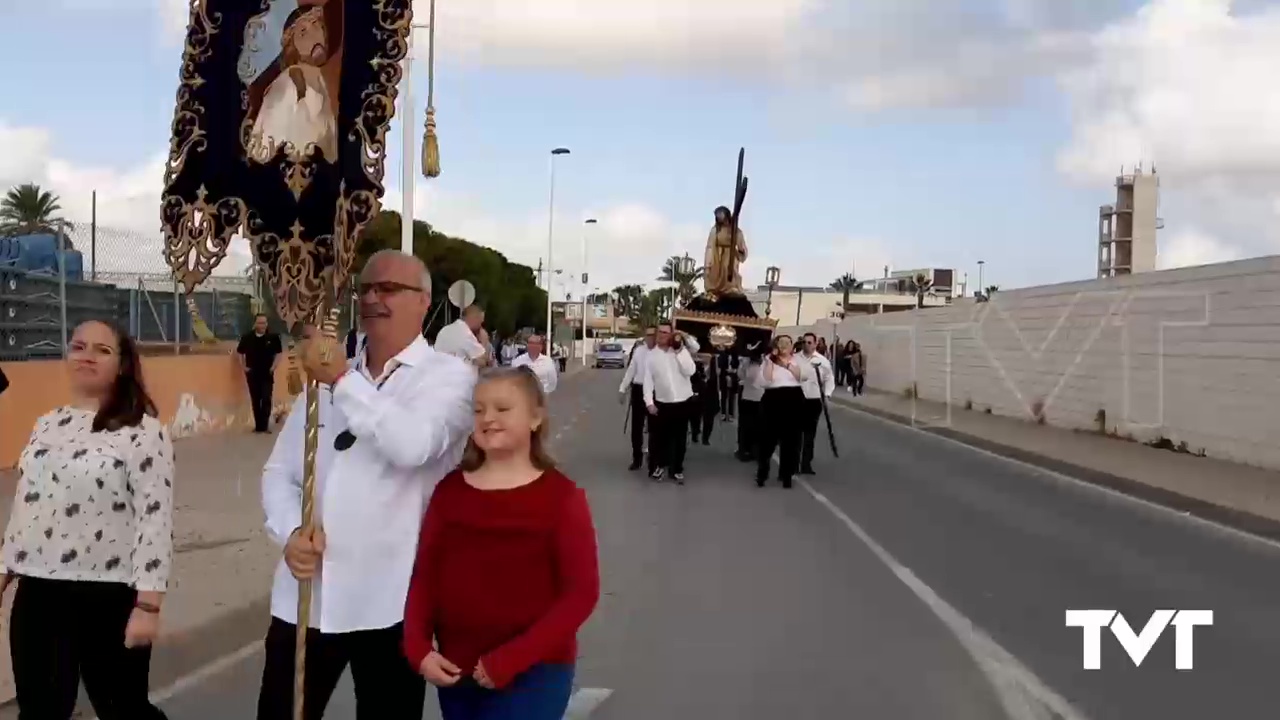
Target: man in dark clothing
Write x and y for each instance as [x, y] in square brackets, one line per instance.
[706, 402]
[259, 352]
[727, 369]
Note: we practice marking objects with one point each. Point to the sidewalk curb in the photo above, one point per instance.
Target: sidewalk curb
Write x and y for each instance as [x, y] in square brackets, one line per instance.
[1238, 520]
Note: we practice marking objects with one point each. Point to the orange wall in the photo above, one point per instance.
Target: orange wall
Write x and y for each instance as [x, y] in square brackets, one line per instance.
[195, 394]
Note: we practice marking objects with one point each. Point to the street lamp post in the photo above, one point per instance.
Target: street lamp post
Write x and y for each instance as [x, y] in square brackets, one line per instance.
[982, 289]
[771, 275]
[585, 287]
[551, 223]
[683, 270]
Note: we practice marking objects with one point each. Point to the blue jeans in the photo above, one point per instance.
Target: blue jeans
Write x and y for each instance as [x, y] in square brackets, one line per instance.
[540, 693]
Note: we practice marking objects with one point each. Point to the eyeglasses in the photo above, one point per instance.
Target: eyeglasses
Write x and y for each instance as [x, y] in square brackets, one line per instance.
[385, 288]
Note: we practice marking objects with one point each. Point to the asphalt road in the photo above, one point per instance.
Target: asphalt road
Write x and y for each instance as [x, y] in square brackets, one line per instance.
[913, 578]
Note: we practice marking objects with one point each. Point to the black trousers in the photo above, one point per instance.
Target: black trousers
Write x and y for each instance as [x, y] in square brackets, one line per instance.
[859, 381]
[748, 428]
[62, 632]
[729, 390]
[810, 415]
[386, 687]
[639, 416]
[260, 388]
[702, 416]
[669, 436]
[780, 408]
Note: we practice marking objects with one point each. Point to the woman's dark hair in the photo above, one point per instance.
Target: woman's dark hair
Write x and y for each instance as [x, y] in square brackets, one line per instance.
[850, 346]
[524, 378]
[128, 401]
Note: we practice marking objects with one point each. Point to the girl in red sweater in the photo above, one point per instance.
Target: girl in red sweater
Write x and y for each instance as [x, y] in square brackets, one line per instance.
[507, 567]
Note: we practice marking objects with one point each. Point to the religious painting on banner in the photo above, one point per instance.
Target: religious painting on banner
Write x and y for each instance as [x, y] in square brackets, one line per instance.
[279, 137]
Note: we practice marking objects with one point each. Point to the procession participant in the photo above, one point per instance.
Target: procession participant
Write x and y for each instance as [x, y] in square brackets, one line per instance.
[782, 376]
[466, 338]
[631, 391]
[90, 539]
[706, 403]
[749, 407]
[858, 369]
[730, 385]
[694, 410]
[543, 367]
[507, 567]
[392, 423]
[818, 386]
[668, 368]
[259, 354]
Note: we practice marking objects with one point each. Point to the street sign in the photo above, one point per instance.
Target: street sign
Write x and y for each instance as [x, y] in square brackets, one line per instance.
[462, 294]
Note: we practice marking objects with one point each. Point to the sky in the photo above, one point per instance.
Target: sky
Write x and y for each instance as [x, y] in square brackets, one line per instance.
[899, 133]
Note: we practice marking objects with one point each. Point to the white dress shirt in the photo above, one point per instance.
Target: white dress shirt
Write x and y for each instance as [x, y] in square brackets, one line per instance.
[749, 377]
[458, 340]
[542, 366]
[635, 368]
[821, 366]
[370, 498]
[667, 373]
[782, 377]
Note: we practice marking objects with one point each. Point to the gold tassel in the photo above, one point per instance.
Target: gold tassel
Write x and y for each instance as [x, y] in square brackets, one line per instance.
[431, 147]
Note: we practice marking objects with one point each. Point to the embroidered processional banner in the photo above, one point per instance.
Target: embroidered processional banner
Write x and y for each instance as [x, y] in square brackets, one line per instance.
[279, 136]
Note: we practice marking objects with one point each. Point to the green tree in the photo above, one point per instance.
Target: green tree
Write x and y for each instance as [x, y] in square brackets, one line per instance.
[920, 285]
[27, 209]
[507, 291]
[686, 282]
[627, 300]
[845, 284]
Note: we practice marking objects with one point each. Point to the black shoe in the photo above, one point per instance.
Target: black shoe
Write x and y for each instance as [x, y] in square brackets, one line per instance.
[695, 439]
[635, 465]
[786, 483]
[678, 477]
[656, 475]
[706, 442]
[807, 471]
[761, 481]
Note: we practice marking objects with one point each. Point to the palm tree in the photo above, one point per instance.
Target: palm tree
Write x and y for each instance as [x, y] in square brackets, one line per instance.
[846, 284]
[28, 209]
[627, 300]
[684, 281]
[920, 285]
[992, 289]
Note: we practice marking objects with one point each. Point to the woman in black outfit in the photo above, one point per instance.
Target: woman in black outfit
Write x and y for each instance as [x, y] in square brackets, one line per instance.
[780, 408]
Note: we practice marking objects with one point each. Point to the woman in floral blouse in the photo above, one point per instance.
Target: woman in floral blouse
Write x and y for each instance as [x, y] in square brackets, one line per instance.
[90, 539]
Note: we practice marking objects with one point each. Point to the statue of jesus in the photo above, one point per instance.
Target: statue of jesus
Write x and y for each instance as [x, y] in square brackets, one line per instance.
[725, 254]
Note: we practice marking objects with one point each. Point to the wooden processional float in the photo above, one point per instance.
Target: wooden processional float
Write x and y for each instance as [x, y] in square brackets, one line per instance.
[279, 137]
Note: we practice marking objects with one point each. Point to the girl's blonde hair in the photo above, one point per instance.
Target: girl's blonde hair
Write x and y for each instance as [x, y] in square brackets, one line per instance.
[528, 383]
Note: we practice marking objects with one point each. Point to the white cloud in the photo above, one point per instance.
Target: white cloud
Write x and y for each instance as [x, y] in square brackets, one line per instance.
[129, 238]
[628, 244]
[1192, 247]
[1186, 85]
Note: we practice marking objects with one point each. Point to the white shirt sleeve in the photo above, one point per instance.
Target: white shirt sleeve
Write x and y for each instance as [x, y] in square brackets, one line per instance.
[151, 474]
[423, 424]
[649, 362]
[282, 476]
[553, 377]
[828, 378]
[629, 376]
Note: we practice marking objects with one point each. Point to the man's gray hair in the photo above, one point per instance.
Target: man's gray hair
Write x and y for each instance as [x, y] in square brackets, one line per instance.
[400, 257]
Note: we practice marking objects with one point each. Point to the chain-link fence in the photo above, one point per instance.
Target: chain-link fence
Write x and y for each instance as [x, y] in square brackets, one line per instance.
[51, 281]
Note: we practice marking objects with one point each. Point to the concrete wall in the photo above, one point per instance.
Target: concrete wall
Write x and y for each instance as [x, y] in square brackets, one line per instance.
[1191, 355]
[195, 394]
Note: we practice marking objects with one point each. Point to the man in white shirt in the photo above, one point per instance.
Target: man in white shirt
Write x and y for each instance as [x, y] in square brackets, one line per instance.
[814, 392]
[668, 370]
[541, 365]
[393, 422]
[465, 338]
[631, 391]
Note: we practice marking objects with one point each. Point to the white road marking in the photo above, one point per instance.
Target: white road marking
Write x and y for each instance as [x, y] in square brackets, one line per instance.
[1067, 479]
[585, 701]
[1023, 695]
[203, 673]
